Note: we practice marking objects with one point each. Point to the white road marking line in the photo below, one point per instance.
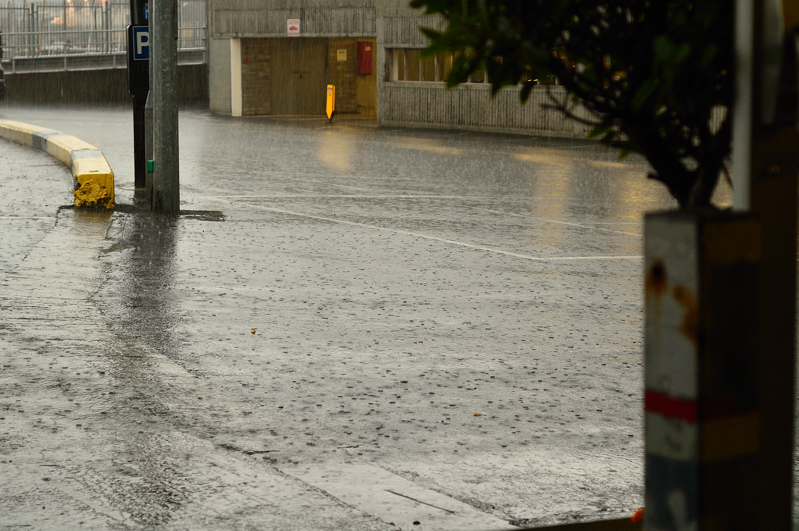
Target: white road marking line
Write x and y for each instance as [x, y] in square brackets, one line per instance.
[443, 240]
[27, 217]
[443, 197]
[349, 187]
[346, 196]
[545, 220]
[447, 197]
[637, 223]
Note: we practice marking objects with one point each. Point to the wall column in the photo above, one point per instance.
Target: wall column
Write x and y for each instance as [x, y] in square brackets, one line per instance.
[235, 77]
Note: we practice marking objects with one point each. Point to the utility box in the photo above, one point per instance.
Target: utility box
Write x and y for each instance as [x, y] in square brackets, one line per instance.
[364, 58]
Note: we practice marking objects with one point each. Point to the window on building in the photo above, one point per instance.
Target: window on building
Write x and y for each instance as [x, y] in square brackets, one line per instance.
[478, 76]
[413, 66]
[408, 65]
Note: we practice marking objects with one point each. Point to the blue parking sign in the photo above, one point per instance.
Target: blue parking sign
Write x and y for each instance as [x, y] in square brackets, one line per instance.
[141, 43]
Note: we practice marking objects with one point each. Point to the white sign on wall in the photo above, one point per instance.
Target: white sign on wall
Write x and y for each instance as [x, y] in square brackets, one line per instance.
[293, 27]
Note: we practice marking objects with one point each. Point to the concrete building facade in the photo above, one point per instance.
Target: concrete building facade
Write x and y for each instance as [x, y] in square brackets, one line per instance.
[277, 56]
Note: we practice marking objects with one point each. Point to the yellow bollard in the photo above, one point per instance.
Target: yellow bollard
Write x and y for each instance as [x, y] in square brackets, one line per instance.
[330, 108]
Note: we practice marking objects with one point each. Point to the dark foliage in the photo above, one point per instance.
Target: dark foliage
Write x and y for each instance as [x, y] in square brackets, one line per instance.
[650, 71]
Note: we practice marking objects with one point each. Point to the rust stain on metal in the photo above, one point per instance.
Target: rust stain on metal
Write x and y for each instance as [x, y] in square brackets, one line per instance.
[690, 320]
[655, 282]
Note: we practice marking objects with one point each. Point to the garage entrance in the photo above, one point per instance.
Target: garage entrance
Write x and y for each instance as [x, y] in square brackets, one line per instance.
[299, 76]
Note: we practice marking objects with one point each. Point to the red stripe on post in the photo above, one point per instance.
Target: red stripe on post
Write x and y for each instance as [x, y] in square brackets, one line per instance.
[670, 407]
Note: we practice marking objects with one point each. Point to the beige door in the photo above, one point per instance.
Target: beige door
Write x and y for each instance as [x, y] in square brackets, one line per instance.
[299, 78]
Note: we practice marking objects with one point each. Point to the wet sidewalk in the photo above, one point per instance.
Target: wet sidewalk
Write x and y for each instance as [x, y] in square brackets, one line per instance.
[381, 328]
[99, 431]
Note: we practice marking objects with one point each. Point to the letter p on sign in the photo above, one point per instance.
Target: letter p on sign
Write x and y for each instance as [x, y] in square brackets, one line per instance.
[141, 43]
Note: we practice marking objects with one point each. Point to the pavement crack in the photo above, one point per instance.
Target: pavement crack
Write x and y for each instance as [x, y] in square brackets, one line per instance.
[420, 501]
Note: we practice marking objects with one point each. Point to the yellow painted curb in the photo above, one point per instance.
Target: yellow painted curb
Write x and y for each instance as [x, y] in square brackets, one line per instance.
[19, 132]
[62, 146]
[93, 178]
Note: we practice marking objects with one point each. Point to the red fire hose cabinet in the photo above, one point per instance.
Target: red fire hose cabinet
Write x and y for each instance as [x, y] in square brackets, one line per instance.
[364, 58]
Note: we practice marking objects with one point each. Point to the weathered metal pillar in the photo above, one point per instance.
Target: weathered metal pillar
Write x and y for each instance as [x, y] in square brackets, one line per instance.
[721, 310]
[166, 171]
[765, 170]
[701, 418]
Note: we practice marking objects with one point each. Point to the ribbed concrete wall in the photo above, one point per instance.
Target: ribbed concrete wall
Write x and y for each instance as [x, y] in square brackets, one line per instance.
[471, 107]
[391, 8]
[290, 4]
[267, 18]
[403, 31]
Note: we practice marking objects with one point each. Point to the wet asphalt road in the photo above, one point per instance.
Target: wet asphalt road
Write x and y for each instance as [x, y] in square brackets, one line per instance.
[453, 314]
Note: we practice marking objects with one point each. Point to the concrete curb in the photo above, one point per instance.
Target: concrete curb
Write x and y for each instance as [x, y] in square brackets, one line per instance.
[93, 178]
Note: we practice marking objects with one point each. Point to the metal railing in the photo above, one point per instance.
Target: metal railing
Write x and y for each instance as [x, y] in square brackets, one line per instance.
[80, 27]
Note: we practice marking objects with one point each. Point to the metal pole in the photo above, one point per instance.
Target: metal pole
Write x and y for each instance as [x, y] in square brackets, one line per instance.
[31, 47]
[148, 135]
[37, 35]
[148, 144]
[139, 92]
[103, 22]
[166, 175]
[140, 160]
[765, 182]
